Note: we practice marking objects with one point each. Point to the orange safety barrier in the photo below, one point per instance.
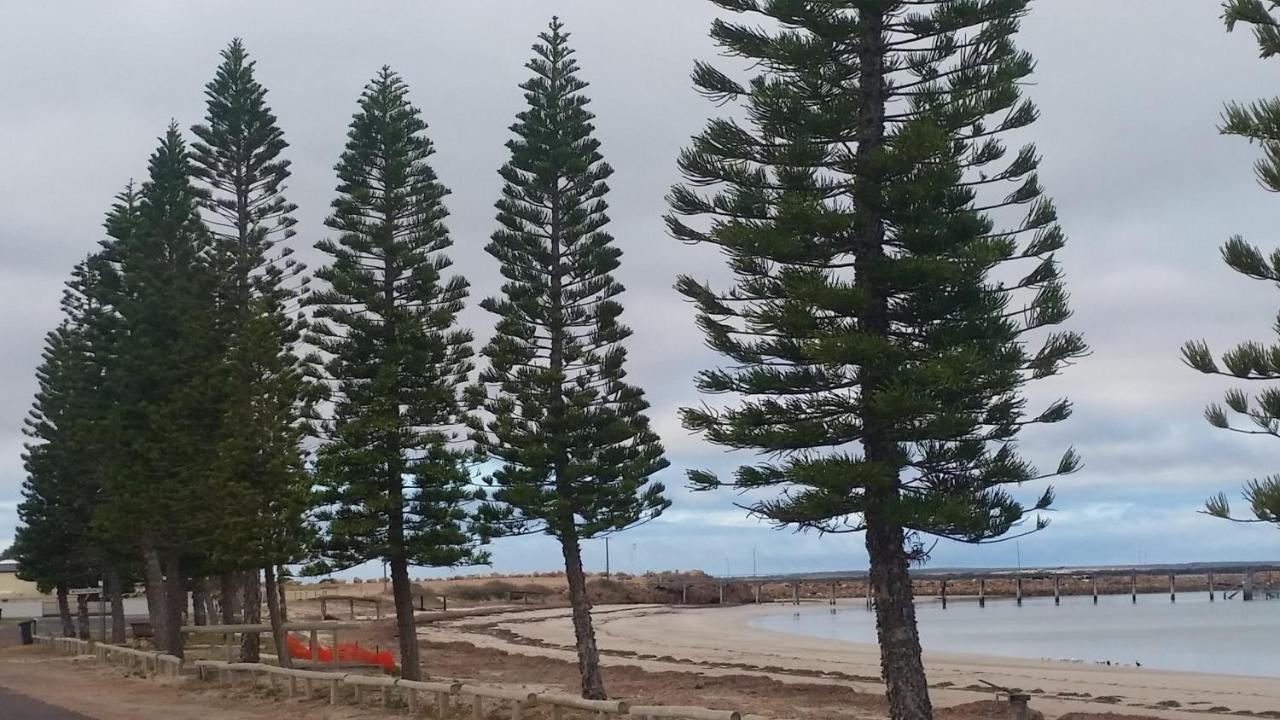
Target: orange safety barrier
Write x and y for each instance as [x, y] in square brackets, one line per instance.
[348, 652]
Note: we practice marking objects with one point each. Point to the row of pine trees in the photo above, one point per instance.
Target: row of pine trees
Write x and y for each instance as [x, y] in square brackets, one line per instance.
[206, 419]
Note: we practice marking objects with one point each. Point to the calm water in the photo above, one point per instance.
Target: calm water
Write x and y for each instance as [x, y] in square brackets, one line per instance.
[1192, 634]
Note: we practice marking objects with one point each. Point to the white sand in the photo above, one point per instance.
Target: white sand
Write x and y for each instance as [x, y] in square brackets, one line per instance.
[695, 639]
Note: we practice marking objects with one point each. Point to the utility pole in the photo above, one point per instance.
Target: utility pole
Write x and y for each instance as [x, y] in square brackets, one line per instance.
[753, 561]
[102, 611]
[606, 557]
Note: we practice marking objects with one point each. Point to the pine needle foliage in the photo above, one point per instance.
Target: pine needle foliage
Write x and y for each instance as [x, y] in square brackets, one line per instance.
[56, 542]
[164, 378]
[394, 483]
[576, 451]
[1257, 122]
[896, 286]
[267, 398]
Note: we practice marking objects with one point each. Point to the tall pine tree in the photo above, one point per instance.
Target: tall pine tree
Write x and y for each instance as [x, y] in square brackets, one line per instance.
[55, 544]
[393, 485]
[260, 468]
[576, 449]
[105, 331]
[166, 381]
[1258, 122]
[894, 279]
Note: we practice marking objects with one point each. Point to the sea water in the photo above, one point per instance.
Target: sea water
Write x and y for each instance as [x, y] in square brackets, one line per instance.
[1192, 634]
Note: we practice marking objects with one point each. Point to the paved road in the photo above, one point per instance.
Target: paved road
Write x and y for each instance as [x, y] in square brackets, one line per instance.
[20, 707]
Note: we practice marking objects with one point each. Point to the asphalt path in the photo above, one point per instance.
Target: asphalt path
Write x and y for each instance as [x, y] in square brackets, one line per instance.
[14, 706]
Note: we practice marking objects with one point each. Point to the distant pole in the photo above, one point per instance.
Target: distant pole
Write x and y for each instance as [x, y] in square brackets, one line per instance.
[753, 561]
[1018, 546]
[102, 610]
[606, 557]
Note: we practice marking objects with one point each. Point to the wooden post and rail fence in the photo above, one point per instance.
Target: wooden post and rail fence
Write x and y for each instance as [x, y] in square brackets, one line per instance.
[442, 698]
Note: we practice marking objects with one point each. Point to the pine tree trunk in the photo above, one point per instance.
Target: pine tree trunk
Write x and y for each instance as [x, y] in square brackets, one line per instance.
[64, 612]
[250, 641]
[175, 593]
[157, 607]
[82, 617]
[402, 592]
[584, 633]
[276, 614]
[280, 587]
[900, 662]
[199, 602]
[229, 597]
[116, 593]
[212, 610]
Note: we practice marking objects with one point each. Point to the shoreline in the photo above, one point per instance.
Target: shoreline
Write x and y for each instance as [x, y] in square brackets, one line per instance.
[716, 641]
[810, 610]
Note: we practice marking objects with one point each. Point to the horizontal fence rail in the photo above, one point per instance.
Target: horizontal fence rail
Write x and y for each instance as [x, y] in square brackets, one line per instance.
[342, 687]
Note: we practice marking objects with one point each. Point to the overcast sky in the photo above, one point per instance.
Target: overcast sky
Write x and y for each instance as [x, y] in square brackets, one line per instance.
[1130, 93]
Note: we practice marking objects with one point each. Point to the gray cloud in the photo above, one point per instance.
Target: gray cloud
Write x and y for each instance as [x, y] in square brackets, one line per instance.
[1130, 95]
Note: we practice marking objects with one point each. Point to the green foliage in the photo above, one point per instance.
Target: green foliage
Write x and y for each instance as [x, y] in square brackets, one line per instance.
[56, 542]
[575, 444]
[259, 472]
[1258, 122]
[164, 380]
[392, 483]
[896, 281]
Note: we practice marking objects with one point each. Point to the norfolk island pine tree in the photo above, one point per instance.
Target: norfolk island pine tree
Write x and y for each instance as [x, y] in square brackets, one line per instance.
[55, 544]
[1258, 122]
[867, 205]
[164, 382]
[394, 482]
[238, 158]
[574, 444]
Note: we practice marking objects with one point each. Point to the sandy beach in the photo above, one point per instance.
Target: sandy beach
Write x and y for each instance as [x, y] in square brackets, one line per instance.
[721, 641]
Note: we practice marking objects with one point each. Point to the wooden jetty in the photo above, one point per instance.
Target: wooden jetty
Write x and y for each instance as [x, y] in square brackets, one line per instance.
[1208, 576]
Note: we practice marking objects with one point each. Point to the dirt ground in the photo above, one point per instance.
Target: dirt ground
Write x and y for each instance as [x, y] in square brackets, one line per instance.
[106, 693]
